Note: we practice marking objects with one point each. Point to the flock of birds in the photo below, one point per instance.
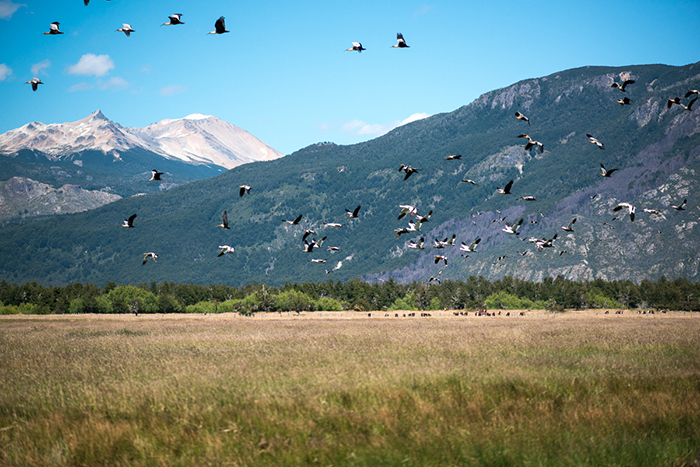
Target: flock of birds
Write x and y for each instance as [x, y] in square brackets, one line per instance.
[417, 220]
[311, 244]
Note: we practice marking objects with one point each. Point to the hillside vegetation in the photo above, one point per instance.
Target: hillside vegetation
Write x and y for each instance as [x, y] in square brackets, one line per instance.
[654, 149]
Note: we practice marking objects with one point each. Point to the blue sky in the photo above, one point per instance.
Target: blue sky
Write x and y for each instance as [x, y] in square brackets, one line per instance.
[282, 72]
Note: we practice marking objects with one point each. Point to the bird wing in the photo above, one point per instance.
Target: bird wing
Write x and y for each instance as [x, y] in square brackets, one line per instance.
[220, 26]
[241, 192]
[356, 211]
[690, 104]
[629, 81]
[357, 45]
[508, 186]
[131, 219]
[298, 219]
[225, 219]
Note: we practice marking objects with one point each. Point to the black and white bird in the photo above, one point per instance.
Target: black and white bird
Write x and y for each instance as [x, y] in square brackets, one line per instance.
[307, 233]
[624, 101]
[544, 243]
[434, 279]
[295, 221]
[656, 212]
[243, 190]
[469, 180]
[622, 86]
[126, 29]
[224, 221]
[335, 225]
[689, 107]
[439, 258]
[628, 206]
[506, 190]
[333, 249]
[407, 209]
[675, 100]
[35, 82]
[408, 169]
[528, 198]
[453, 157]
[513, 230]
[225, 249]
[471, 248]
[148, 255]
[353, 214]
[319, 261]
[604, 173]
[691, 92]
[400, 42]
[174, 19]
[416, 245]
[531, 143]
[680, 207]
[155, 175]
[522, 117]
[356, 46]
[129, 223]
[570, 227]
[592, 139]
[53, 30]
[219, 26]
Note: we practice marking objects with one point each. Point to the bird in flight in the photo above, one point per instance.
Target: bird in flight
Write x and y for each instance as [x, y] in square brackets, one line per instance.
[174, 19]
[35, 82]
[319, 261]
[453, 157]
[471, 248]
[407, 209]
[522, 117]
[148, 255]
[622, 86]
[468, 180]
[126, 29]
[400, 42]
[570, 227]
[528, 198]
[417, 245]
[155, 175]
[336, 225]
[652, 211]
[629, 207]
[295, 221]
[544, 243]
[224, 221]
[689, 107]
[594, 140]
[439, 258]
[680, 207]
[624, 101]
[605, 173]
[691, 92]
[353, 214]
[307, 233]
[676, 100]
[408, 169]
[225, 249]
[356, 46]
[219, 26]
[244, 190]
[513, 230]
[506, 190]
[532, 143]
[54, 29]
[129, 223]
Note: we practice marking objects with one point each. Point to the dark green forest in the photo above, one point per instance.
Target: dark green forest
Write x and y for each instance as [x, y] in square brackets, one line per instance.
[556, 294]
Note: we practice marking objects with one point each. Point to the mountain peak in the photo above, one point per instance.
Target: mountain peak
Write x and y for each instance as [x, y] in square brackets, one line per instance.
[97, 115]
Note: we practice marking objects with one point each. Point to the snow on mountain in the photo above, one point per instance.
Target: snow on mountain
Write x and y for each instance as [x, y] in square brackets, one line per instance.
[195, 139]
[205, 139]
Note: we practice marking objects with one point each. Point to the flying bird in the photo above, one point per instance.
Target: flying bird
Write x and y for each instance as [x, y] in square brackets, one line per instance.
[155, 175]
[691, 92]
[425, 218]
[471, 248]
[319, 261]
[244, 190]
[54, 29]
[570, 227]
[225, 249]
[528, 198]
[604, 173]
[680, 207]
[336, 225]
[522, 117]
[356, 46]
[224, 222]
[353, 214]
[544, 243]
[652, 211]
[514, 229]
[629, 207]
[148, 255]
[35, 82]
[532, 143]
[453, 157]
[594, 140]
[126, 29]
[439, 258]
[295, 221]
[219, 26]
[417, 245]
[174, 19]
[468, 180]
[307, 233]
[506, 190]
[676, 100]
[129, 223]
[434, 279]
[622, 86]
[333, 249]
[624, 101]
[400, 42]
[407, 209]
[408, 169]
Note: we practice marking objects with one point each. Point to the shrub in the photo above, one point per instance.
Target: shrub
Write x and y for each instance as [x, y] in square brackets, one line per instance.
[201, 307]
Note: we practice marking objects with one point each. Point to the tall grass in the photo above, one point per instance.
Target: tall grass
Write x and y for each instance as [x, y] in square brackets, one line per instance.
[161, 391]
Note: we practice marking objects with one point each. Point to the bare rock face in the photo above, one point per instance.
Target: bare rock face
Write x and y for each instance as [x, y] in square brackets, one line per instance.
[23, 197]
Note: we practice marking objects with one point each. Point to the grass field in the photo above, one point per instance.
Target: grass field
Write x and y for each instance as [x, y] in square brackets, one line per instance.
[193, 391]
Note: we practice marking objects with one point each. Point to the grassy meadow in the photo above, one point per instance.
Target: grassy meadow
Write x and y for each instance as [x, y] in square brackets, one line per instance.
[224, 390]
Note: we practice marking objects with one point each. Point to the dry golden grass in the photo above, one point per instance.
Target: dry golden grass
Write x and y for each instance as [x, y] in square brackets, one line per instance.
[225, 390]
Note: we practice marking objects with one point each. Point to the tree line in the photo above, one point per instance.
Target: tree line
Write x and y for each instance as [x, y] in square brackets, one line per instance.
[474, 293]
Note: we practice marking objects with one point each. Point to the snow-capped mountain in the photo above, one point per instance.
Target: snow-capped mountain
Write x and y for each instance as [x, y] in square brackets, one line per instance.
[195, 139]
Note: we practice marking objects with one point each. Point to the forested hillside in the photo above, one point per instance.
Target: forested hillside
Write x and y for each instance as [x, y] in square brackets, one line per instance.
[654, 149]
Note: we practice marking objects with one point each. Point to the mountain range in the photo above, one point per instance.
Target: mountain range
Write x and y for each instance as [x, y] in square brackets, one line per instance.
[99, 155]
[654, 149]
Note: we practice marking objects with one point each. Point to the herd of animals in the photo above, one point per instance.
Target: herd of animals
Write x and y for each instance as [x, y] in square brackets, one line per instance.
[414, 226]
